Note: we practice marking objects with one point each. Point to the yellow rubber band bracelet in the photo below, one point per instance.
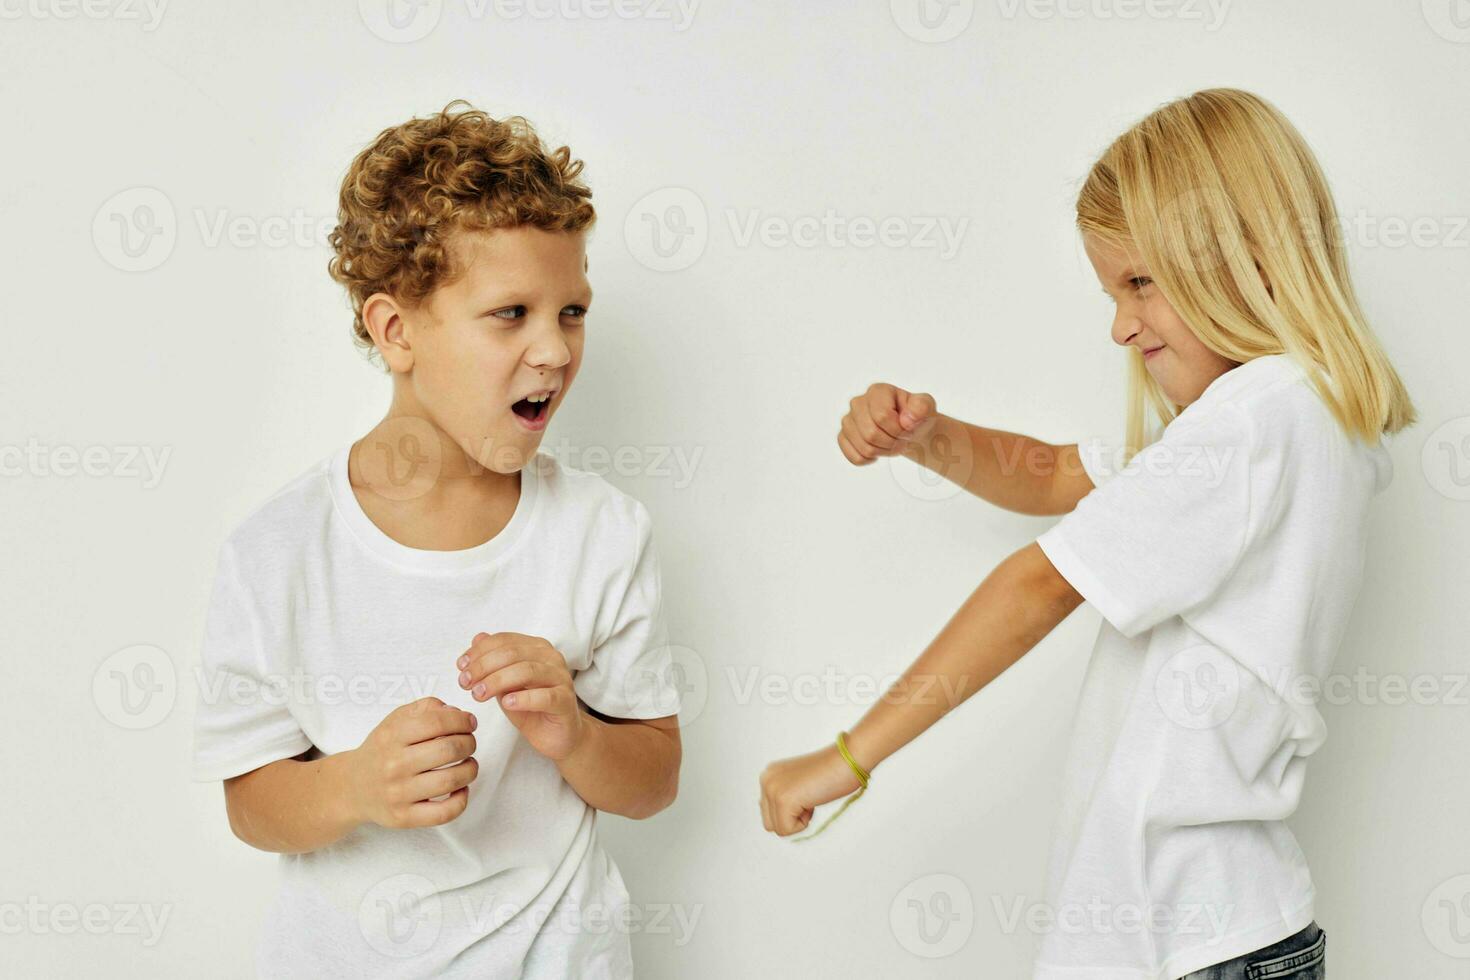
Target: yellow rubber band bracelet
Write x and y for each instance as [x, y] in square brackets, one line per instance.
[861, 773]
[863, 776]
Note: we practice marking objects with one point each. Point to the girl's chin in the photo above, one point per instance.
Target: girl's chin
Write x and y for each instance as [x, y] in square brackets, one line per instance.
[1167, 386]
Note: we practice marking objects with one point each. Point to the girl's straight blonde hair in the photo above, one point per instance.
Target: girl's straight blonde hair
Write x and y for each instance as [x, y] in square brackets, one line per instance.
[1221, 198]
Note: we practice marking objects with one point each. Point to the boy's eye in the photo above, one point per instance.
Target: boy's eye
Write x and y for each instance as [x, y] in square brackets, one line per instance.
[576, 312]
[510, 313]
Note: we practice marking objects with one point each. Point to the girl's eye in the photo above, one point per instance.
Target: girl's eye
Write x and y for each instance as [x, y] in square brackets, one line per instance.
[575, 312]
[510, 313]
[1140, 281]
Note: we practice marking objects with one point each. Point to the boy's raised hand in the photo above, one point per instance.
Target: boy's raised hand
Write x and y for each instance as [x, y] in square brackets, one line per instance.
[884, 421]
[394, 775]
[533, 685]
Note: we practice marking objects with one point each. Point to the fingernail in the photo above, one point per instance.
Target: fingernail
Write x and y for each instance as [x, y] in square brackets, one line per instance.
[479, 690]
[474, 721]
[464, 661]
[464, 678]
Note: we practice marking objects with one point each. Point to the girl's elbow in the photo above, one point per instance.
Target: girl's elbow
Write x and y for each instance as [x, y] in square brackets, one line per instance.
[1040, 582]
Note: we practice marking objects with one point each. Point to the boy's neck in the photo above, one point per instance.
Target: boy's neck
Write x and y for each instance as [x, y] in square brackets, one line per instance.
[421, 489]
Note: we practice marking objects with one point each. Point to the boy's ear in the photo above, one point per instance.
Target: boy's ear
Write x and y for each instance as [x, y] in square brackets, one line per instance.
[385, 324]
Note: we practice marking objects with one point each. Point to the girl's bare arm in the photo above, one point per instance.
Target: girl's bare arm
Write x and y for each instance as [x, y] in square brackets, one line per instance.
[1012, 471]
[1009, 470]
[1017, 604]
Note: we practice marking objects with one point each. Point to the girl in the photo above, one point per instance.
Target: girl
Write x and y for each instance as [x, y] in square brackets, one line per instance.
[1224, 556]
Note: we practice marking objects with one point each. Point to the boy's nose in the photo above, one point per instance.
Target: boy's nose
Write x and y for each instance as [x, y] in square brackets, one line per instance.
[549, 349]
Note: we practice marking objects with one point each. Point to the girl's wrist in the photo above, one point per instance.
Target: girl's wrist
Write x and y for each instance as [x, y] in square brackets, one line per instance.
[860, 748]
[919, 448]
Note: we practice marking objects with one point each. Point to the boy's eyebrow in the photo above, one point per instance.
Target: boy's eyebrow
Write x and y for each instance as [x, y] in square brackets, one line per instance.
[511, 296]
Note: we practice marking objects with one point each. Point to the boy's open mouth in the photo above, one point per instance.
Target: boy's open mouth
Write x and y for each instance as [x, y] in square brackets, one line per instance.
[534, 407]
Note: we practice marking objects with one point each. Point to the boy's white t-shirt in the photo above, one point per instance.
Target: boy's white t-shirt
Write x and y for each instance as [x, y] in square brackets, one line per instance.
[1224, 559]
[320, 624]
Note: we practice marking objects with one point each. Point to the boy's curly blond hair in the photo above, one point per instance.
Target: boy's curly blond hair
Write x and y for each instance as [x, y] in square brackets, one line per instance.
[421, 181]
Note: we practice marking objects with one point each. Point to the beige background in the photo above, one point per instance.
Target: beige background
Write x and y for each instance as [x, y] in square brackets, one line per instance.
[220, 346]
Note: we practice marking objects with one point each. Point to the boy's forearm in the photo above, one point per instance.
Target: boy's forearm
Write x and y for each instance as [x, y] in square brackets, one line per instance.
[627, 768]
[1008, 469]
[1012, 610]
[291, 806]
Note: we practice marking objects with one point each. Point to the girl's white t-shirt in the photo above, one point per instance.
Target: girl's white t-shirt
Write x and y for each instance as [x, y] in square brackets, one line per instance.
[1224, 559]
[320, 624]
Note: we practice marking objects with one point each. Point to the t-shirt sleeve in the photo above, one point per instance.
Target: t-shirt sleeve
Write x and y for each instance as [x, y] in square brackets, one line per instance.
[242, 719]
[1099, 458]
[1166, 532]
[632, 670]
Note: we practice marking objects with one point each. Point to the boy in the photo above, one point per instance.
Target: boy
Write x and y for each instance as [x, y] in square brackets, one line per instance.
[437, 565]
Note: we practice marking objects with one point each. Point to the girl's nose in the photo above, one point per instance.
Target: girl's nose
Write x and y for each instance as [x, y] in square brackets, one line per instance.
[1125, 327]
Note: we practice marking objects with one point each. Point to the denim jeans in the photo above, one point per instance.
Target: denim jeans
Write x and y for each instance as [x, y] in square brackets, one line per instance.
[1299, 957]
